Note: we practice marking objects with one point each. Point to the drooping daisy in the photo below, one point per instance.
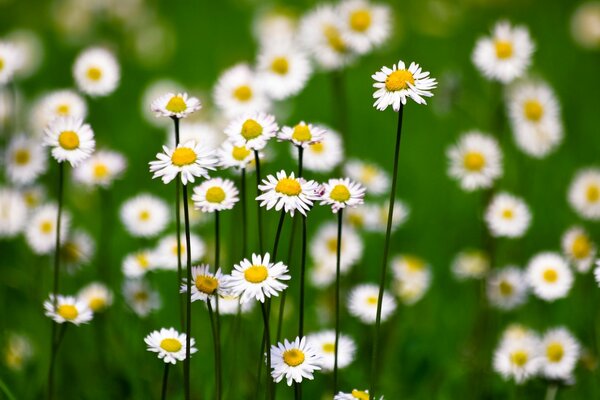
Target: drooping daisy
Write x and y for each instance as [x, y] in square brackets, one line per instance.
[97, 296]
[25, 160]
[507, 216]
[175, 105]
[323, 343]
[189, 159]
[70, 139]
[166, 250]
[61, 103]
[288, 193]
[101, 169]
[584, 193]
[395, 85]
[141, 297]
[376, 216]
[370, 175]
[579, 248]
[17, 351]
[203, 133]
[230, 305]
[169, 344]
[13, 213]
[518, 358]
[302, 134]
[68, 309]
[585, 24]
[205, 284]
[470, 264]
[41, 229]
[362, 303]
[10, 60]
[475, 161]
[283, 69]
[323, 156]
[561, 351]
[135, 265]
[549, 276]
[295, 361]
[257, 279]
[231, 155]
[355, 394]
[252, 130]
[507, 288]
[365, 25]
[145, 215]
[76, 250]
[96, 72]
[342, 193]
[323, 247]
[505, 55]
[238, 91]
[215, 194]
[412, 277]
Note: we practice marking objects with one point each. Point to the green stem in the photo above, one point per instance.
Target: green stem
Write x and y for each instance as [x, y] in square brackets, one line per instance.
[300, 163]
[178, 229]
[188, 330]
[258, 210]
[297, 391]
[55, 345]
[551, 392]
[302, 276]
[6, 391]
[267, 340]
[244, 213]
[337, 301]
[284, 294]
[163, 394]
[214, 325]
[217, 242]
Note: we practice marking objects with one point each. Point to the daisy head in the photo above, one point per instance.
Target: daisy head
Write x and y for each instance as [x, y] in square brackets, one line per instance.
[40, 232]
[189, 159]
[283, 69]
[13, 212]
[140, 297]
[101, 169]
[322, 156]
[368, 174]
[238, 91]
[76, 250]
[471, 264]
[561, 351]
[67, 309]
[25, 160]
[70, 139]
[340, 193]
[61, 103]
[549, 276]
[252, 130]
[97, 296]
[288, 193]
[365, 25]
[507, 216]
[231, 155]
[518, 358]
[167, 254]
[578, 247]
[362, 303]
[395, 85]
[355, 394]
[323, 344]
[169, 344]
[173, 105]
[323, 247]
[10, 61]
[584, 193]
[296, 361]
[205, 283]
[215, 194]
[136, 264]
[412, 278]
[302, 134]
[96, 72]
[17, 351]
[507, 288]
[257, 279]
[145, 215]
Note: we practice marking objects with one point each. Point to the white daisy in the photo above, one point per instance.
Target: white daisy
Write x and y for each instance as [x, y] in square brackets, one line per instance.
[507, 288]
[507, 216]
[166, 250]
[357, 217]
[238, 91]
[13, 213]
[412, 278]
[518, 358]
[96, 72]
[288, 193]
[394, 85]
[323, 247]
[475, 161]
[175, 105]
[584, 193]
[189, 159]
[549, 276]
[283, 69]
[376, 216]
[354, 395]
[274, 25]
[368, 174]
[76, 250]
[33, 195]
[68, 309]
[101, 169]
[302, 134]
[579, 248]
[230, 305]
[25, 160]
[135, 265]
[362, 303]
[257, 279]
[10, 60]
[252, 130]
[60, 103]
[585, 25]
[17, 351]
[141, 297]
[41, 229]
[561, 352]
[215, 194]
[205, 284]
[365, 25]
[203, 133]
[70, 140]
[145, 215]
[323, 156]
[323, 343]
[295, 361]
[505, 55]
[339, 193]
[153, 91]
[231, 155]
[470, 264]
[97, 296]
[169, 344]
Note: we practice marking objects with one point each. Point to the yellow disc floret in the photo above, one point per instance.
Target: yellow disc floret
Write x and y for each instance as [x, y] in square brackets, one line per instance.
[68, 140]
[170, 345]
[256, 273]
[68, 311]
[293, 357]
[183, 156]
[399, 80]
[289, 187]
[340, 193]
[251, 129]
[176, 105]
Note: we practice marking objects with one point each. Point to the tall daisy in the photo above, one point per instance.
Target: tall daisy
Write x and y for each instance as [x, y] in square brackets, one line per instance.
[215, 194]
[507, 216]
[205, 283]
[189, 160]
[287, 192]
[70, 139]
[25, 160]
[294, 361]
[257, 279]
[364, 25]
[397, 84]
[584, 193]
[341, 193]
[175, 106]
[239, 91]
[549, 276]
[96, 72]
[252, 130]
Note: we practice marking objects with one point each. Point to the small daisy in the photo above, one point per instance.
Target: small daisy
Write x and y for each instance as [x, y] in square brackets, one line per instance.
[507, 216]
[76, 250]
[141, 297]
[370, 175]
[549, 276]
[153, 91]
[470, 264]
[252, 130]
[323, 156]
[288, 193]
[231, 155]
[362, 303]
[506, 55]
[323, 343]
[68, 309]
[13, 213]
[41, 229]
[70, 139]
[561, 352]
[61, 103]
[238, 91]
[97, 296]
[579, 248]
[205, 283]
[10, 60]
[355, 394]
[397, 84]
[135, 265]
[323, 247]
[145, 215]
[302, 134]
[518, 358]
[283, 70]
[101, 169]
[356, 217]
[169, 344]
[365, 25]
[188, 159]
[412, 278]
[25, 160]
[507, 288]
[166, 250]
[215, 194]
[96, 72]
[257, 279]
[175, 105]
[584, 193]
[295, 361]
[475, 161]
[230, 305]
[376, 216]
[340, 193]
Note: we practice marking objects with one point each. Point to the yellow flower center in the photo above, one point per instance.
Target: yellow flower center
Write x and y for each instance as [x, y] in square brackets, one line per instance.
[100, 171]
[280, 65]
[555, 352]
[176, 105]
[256, 273]
[519, 358]
[399, 80]
[533, 110]
[474, 161]
[360, 395]
[332, 245]
[317, 147]
[170, 345]
[63, 109]
[215, 195]
[144, 215]
[97, 304]
[592, 194]
[550, 275]
[46, 227]
[356, 219]
[243, 93]
[240, 153]
[293, 357]
[289, 187]
[1, 64]
[70, 252]
[368, 173]
[506, 289]
[68, 140]
[301, 133]
[332, 34]
[581, 247]
[504, 49]
[140, 296]
[94, 74]
[329, 347]
[507, 213]
[414, 264]
[206, 284]
[360, 20]
[22, 156]
[371, 300]
[142, 260]
[251, 129]
[31, 199]
[340, 193]
[68, 311]
[181, 249]
[183, 156]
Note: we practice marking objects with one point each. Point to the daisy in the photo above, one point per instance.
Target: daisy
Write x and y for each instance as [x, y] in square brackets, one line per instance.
[166, 250]
[230, 305]
[135, 265]
[17, 352]
[274, 25]
[376, 216]
[323, 343]
[475, 161]
[322, 156]
[579, 248]
[257, 279]
[549, 276]
[561, 352]
[519, 359]
[507, 216]
[584, 25]
[323, 247]
[584, 193]
[97, 296]
[370, 175]
[339, 193]
[203, 133]
[70, 139]
[302, 134]
[412, 278]
[283, 69]
[68, 309]
[354, 395]
[288, 193]
[101, 169]
[205, 283]
[231, 155]
[362, 303]
[252, 130]
[215, 194]
[41, 229]
[295, 361]
[33, 196]
[356, 217]
[153, 91]
[76, 250]
[189, 159]
[141, 297]
[169, 344]
[175, 105]
[473, 264]
[13, 213]
[238, 91]
[506, 55]
[60, 103]
[10, 60]
[145, 215]
[397, 84]
[507, 288]
[365, 25]
[96, 72]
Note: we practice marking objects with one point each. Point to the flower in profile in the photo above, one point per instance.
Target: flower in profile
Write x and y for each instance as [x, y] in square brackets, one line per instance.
[97, 296]
[40, 232]
[323, 343]
[288, 193]
[215, 194]
[70, 139]
[257, 279]
[505, 55]
[101, 169]
[507, 216]
[238, 91]
[173, 105]
[231, 155]
[518, 357]
[322, 156]
[364, 25]
[295, 361]
[13, 212]
[355, 394]
[145, 215]
[561, 352]
[96, 72]
[25, 160]
[205, 283]
[395, 85]
[412, 277]
[68, 309]
[470, 264]
[507, 287]
[169, 344]
[368, 174]
[475, 161]
[76, 250]
[10, 61]
[252, 131]
[166, 250]
[549, 276]
[141, 297]
[136, 264]
[283, 69]
[579, 249]
[60, 103]
[189, 159]
[362, 303]
[584, 193]
[302, 134]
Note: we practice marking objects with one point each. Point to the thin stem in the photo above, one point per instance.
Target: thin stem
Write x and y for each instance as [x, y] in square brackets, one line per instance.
[178, 229]
[386, 249]
[551, 392]
[297, 391]
[188, 328]
[244, 213]
[163, 394]
[278, 235]
[55, 345]
[258, 210]
[284, 294]
[267, 340]
[300, 163]
[302, 274]
[337, 301]
[217, 242]
[217, 345]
